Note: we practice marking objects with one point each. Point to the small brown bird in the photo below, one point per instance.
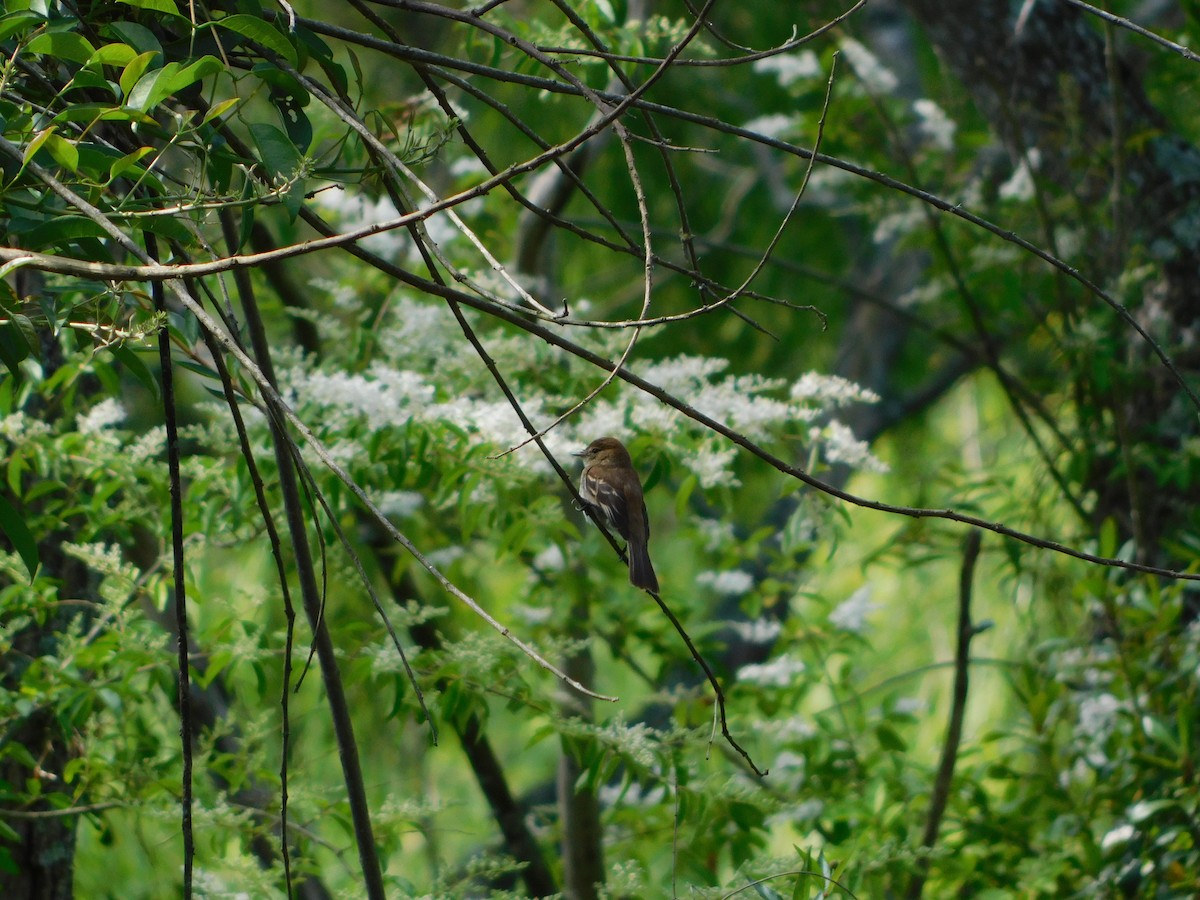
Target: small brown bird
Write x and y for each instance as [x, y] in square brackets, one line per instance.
[610, 486]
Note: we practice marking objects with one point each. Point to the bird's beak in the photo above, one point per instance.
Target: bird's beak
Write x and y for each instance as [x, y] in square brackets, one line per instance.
[579, 452]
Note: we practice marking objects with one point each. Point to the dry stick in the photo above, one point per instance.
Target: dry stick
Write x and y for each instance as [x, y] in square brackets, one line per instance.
[755, 55]
[962, 662]
[242, 282]
[181, 625]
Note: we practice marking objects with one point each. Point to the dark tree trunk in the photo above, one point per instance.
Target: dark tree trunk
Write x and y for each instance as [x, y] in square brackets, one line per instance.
[1050, 84]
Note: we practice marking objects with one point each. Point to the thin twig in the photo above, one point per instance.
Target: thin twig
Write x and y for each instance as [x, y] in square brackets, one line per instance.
[1136, 29]
[712, 680]
[176, 490]
[940, 794]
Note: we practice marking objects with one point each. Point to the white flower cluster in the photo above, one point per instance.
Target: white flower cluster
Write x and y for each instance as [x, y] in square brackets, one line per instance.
[790, 68]
[20, 429]
[108, 411]
[851, 614]
[780, 672]
[877, 77]
[424, 367]
[933, 124]
[727, 583]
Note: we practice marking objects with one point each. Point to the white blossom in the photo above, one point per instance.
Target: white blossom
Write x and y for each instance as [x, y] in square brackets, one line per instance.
[758, 631]
[727, 583]
[877, 77]
[550, 559]
[712, 466]
[354, 210]
[830, 390]
[789, 68]
[19, 428]
[1019, 185]
[1098, 716]
[778, 672]
[851, 614]
[934, 124]
[1119, 835]
[399, 504]
[716, 533]
[841, 446]
[105, 413]
[150, 445]
[897, 224]
[775, 125]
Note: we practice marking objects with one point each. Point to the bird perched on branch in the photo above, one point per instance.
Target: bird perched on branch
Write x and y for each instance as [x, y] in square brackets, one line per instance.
[610, 486]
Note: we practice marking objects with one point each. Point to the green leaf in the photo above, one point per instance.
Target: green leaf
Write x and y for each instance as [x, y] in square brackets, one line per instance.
[136, 68]
[116, 54]
[282, 160]
[1108, 537]
[279, 155]
[127, 162]
[62, 44]
[13, 525]
[180, 78]
[63, 230]
[149, 90]
[35, 145]
[13, 347]
[65, 153]
[139, 37]
[159, 6]
[889, 738]
[220, 109]
[138, 369]
[91, 112]
[262, 33]
[18, 21]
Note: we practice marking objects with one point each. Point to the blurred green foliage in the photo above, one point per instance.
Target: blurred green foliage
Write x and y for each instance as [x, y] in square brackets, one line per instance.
[831, 627]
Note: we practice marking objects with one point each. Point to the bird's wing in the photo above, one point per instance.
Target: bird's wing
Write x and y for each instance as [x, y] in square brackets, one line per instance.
[610, 501]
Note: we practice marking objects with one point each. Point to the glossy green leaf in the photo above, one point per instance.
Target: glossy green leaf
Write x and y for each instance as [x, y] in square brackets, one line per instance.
[13, 346]
[65, 153]
[136, 68]
[18, 21]
[13, 525]
[127, 163]
[279, 155]
[36, 144]
[220, 109]
[160, 6]
[139, 37]
[116, 54]
[62, 44]
[262, 33]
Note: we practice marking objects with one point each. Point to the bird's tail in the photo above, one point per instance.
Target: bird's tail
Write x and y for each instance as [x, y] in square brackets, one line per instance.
[641, 572]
